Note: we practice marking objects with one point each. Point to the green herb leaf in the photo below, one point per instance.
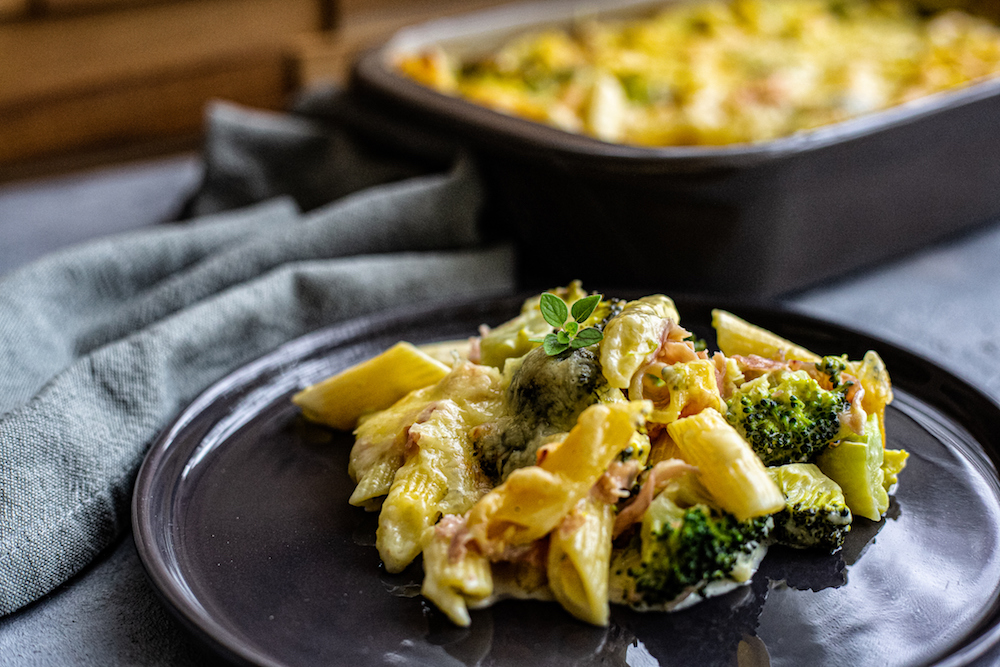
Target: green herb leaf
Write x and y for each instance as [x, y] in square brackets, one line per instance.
[587, 337]
[553, 346]
[584, 308]
[568, 334]
[553, 309]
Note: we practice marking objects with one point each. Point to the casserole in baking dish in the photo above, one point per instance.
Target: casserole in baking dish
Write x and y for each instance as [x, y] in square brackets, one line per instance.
[758, 218]
[709, 73]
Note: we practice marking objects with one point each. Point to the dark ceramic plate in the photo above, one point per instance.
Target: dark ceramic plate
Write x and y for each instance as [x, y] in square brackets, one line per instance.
[242, 522]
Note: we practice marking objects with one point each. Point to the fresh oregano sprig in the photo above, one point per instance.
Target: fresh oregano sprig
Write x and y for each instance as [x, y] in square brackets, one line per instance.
[568, 334]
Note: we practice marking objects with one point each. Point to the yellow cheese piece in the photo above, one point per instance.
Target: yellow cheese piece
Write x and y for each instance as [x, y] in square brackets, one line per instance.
[376, 384]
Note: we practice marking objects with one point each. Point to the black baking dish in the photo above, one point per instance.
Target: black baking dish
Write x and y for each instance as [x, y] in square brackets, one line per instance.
[756, 219]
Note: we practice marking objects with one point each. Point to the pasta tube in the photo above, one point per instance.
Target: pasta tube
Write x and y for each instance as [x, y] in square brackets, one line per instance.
[380, 444]
[410, 509]
[690, 387]
[341, 400]
[874, 378]
[727, 465]
[580, 559]
[383, 437]
[633, 335]
[452, 584]
[439, 477]
[737, 336]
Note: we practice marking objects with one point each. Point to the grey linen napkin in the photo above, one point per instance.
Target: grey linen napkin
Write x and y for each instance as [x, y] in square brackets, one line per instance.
[100, 345]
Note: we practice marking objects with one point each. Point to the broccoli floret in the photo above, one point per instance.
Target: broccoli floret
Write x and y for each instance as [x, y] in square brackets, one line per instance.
[545, 397]
[816, 514]
[787, 417]
[694, 549]
[832, 367]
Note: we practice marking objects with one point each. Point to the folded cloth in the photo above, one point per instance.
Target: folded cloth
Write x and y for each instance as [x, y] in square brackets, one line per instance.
[102, 344]
[252, 156]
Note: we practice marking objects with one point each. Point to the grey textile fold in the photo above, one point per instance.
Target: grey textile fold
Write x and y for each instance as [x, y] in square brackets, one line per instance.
[253, 156]
[102, 344]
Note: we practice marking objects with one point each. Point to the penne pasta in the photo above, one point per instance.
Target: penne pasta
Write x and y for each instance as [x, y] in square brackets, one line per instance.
[635, 335]
[689, 387]
[737, 336]
[410, 509]
[579, 561]
[439, 477]
[340, 401]
[874, 378]
[453, 584]
[382, 438]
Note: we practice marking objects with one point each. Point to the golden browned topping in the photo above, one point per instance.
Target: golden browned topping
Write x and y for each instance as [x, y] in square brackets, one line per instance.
[711, 73]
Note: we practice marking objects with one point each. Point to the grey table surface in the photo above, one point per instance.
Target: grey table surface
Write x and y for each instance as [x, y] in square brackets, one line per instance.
[943, 302]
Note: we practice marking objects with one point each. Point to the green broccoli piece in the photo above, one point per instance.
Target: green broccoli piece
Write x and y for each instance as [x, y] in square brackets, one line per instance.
[832, 367]
[787, 417]
[816, 514]
[692, 549]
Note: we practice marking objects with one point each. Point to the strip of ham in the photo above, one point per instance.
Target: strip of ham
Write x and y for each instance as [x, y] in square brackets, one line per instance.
[452, 528]
[753, 366]
[856, 417]
[616, 482]
[475, 348]
[656, 479]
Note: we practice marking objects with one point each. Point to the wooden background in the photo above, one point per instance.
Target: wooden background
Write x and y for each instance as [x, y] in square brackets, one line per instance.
[86, 82]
